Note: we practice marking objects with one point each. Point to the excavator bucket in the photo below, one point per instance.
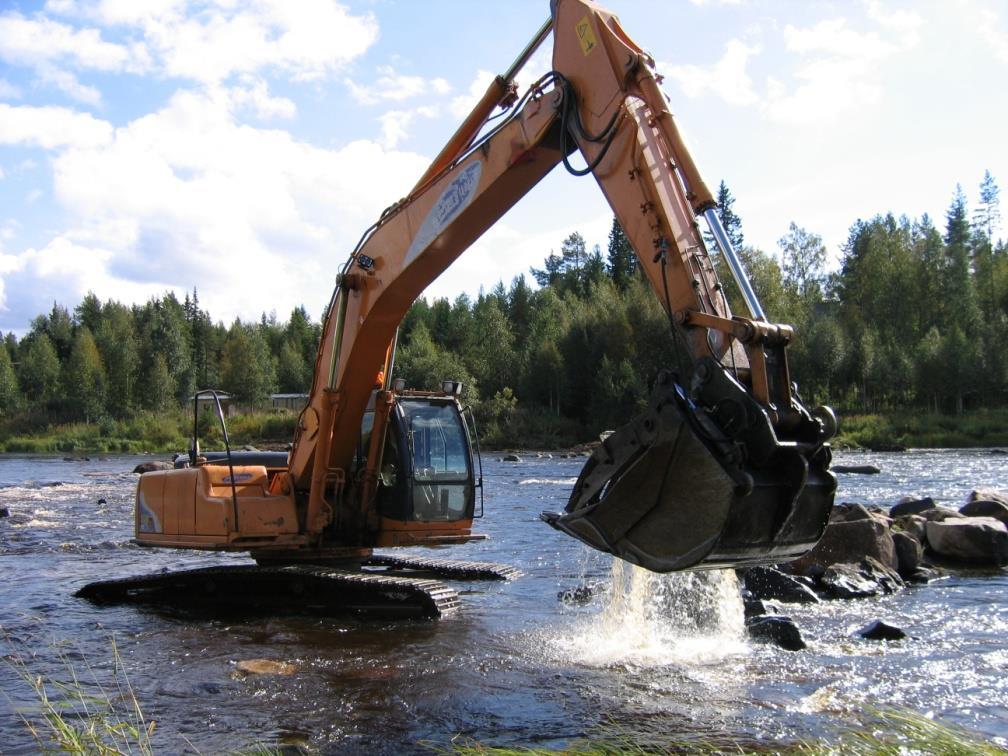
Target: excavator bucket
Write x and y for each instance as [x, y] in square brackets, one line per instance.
[672, 490]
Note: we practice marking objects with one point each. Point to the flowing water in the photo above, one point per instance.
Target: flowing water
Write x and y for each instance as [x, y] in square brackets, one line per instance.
[627, 655]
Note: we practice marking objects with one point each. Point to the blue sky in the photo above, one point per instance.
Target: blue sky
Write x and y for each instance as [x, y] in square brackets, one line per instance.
[242, 147]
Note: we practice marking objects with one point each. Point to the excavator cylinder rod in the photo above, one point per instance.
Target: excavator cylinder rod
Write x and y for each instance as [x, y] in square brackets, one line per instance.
[299, 590]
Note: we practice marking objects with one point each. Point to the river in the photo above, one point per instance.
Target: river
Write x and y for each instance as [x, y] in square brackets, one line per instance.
[660, 658]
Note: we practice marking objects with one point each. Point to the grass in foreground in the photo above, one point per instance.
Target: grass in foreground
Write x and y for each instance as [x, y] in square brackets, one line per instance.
[881, 733]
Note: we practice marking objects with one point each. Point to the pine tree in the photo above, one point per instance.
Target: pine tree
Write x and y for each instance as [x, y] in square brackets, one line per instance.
[621, 260]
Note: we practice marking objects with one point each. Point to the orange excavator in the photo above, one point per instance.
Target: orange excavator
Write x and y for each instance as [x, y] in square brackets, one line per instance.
[726, 468]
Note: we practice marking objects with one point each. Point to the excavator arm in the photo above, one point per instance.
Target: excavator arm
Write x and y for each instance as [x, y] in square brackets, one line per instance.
[727, 467]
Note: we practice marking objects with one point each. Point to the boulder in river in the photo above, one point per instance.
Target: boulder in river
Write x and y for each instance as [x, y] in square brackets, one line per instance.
[940, 514]
[145, 467]
[988, 494]
[986, 508]
[849, 542]
[879, 630]
[778, 630]
[856, 469]
[768, 583]
[862, 580]
[4, 512]
[909, 552]
[913, 525]
[908, 506]
[511, 458]
[977, 540]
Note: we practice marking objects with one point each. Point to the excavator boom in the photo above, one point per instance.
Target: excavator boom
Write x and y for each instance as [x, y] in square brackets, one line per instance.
[726, 467]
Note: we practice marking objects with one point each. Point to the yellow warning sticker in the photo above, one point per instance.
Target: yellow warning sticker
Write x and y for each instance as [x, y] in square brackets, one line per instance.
[585, 35]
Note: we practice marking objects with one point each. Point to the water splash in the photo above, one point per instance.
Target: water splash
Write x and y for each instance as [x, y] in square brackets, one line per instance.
[648, 620]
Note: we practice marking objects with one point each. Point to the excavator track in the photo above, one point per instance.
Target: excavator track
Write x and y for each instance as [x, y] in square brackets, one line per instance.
[296, 589]
[446, 568]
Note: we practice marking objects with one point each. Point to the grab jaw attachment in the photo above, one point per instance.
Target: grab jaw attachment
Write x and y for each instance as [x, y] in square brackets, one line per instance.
[700, 481]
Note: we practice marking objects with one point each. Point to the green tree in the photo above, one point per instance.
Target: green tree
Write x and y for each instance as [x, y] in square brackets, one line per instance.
[247, 367]
[621, 260]
[83, 378]
[39, 370]
[10, 394]
[803, 257]
[117, 345]
[159, 393]
[293, 373]
[729, 219]
[957, 283]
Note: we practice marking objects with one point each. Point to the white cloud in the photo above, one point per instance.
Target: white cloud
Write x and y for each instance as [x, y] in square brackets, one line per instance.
[395, 124]
[209, 42]
[727, 78]
[461, 106]
[34, 41]
[188, 196]
[993, 33]
[255, 95]
[8, 91]
[51, 127]
[395, 87]
[67, 83]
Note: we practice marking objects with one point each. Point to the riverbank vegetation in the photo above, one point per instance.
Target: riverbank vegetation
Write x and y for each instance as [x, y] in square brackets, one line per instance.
[908, 340]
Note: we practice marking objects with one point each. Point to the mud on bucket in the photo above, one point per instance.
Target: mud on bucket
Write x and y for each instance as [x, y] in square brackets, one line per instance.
[670, 491]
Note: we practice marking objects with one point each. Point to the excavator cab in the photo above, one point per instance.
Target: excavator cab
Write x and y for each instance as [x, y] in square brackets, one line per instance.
[427, 469]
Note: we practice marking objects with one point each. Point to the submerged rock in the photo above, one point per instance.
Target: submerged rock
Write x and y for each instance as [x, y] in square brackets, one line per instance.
[778, 630]
[768, 583]
[856, 469]
[879, 630]
[511, 458]
[145, 467]
[265, 667]
[4, 512]
[977, 540]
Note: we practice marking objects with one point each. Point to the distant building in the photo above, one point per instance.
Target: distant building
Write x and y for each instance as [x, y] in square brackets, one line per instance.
[207, 404]
[293, 402]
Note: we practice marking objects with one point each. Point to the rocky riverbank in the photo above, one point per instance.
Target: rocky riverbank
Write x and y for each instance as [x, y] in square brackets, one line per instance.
[869, 551]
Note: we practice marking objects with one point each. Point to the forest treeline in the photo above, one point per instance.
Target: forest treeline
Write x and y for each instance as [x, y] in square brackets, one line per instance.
[916, 316]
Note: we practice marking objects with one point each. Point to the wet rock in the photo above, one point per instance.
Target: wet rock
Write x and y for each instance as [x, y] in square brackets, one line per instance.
[847, 512]
[879, 630]
[265, 667]
[863, 580]
[581, 594]
[923, 575]
[986, 508]
[977, 540]
[849, 543]
[908, 506]
[768, 583]
[511, 458]
[843, 581]
[940, 514]
[778, 630]
[909, 552]
[754, 607]
[856, 469]
[913, 525]
[987, 494]
[4, 512]
[145, 467]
